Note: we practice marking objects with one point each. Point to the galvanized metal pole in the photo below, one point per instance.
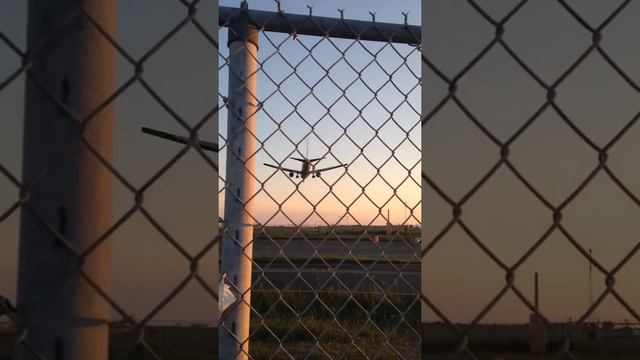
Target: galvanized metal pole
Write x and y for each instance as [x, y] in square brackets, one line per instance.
[590, 283]
[237, 243]
[325, 26]
[67, 187]
[535, 286]
[537, 332]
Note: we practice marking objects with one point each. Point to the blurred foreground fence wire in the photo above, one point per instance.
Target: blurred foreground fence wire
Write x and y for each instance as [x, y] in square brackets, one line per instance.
[500, 25]
[66, 188]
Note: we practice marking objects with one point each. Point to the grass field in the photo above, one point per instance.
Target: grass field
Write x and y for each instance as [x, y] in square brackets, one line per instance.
[506, 344]
[344, 325]
[199, 343]
[328, 324]
[344, 233]
[360, 329]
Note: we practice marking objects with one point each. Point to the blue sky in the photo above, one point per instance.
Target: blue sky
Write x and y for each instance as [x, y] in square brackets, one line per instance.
[339, 129]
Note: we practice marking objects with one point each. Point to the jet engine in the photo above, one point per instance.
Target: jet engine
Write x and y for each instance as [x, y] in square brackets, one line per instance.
[291, 174]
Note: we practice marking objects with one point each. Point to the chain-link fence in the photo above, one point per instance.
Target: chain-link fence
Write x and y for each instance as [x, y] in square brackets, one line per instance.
[117, 249]
[106, 265]
[540, 100]
[323, 252]
[320, 147]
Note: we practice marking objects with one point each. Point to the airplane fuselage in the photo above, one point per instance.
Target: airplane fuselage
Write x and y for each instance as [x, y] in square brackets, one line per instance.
[307, 168]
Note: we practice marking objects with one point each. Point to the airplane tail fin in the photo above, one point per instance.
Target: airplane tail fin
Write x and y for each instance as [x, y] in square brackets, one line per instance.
[304, 160]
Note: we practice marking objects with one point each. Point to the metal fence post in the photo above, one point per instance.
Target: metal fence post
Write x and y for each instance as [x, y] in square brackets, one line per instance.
[68, 190]
[237, 244]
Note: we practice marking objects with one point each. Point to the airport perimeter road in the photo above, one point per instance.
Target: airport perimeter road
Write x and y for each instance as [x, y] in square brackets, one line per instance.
[348, 276]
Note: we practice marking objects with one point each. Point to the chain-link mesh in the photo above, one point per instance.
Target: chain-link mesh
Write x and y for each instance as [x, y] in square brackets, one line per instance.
[332, 275]
[335, 278]
[467, 342]
[131, 333]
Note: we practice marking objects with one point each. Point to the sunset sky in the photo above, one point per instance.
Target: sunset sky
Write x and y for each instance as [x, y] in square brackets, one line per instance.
[456, 274]
[184, 200]
[275, 145]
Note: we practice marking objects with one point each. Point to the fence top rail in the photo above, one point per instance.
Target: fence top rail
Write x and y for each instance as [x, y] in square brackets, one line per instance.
[325, 26]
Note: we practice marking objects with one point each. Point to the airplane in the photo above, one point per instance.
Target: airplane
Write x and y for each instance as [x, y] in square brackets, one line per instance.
[308, 168]
[204, 145]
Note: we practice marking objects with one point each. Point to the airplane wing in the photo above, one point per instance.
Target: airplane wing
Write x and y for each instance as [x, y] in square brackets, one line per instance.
[204, 145]
[283, 169]
[330, 168]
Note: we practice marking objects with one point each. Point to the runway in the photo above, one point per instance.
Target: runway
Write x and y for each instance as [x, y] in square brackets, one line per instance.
[386, 267]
